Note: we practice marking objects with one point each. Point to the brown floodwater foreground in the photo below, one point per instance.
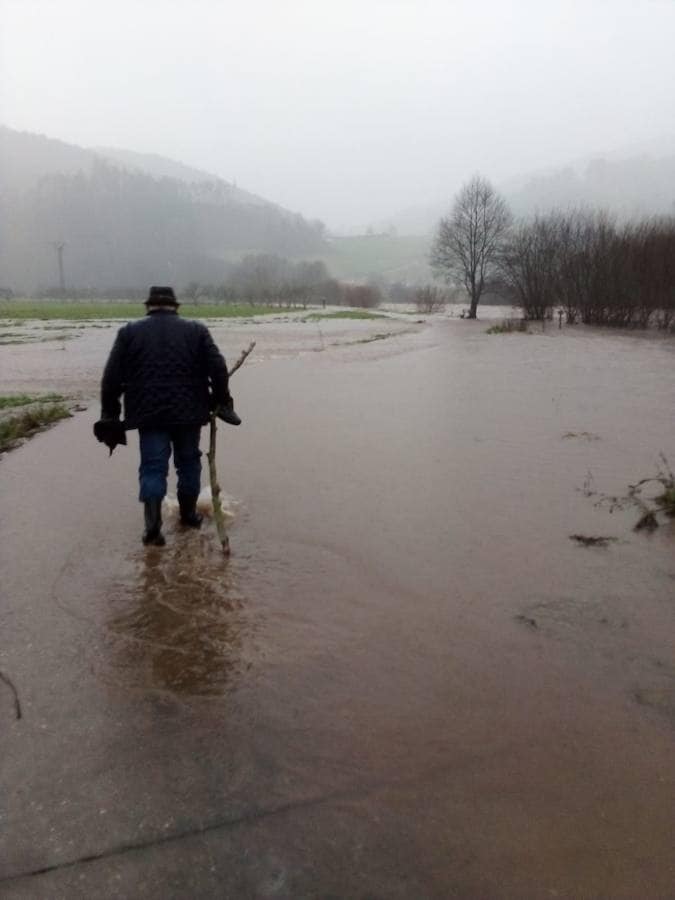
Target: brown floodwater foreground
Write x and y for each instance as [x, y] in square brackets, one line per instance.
[407, 682]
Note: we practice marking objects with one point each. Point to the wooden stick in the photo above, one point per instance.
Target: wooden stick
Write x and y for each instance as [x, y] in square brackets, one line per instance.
[218, 515]
[242, 359]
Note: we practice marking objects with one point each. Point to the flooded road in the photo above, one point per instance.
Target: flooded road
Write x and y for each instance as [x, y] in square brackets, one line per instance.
[408, 681]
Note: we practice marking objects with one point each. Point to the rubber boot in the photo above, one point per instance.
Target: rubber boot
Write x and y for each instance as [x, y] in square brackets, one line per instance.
[189, 516]
[153, 522]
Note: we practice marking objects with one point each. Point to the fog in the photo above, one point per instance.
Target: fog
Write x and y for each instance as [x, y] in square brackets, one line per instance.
[351, 111]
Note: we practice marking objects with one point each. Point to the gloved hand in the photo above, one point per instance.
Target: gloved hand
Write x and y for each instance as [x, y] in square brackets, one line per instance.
[225, 411]
[110, 432]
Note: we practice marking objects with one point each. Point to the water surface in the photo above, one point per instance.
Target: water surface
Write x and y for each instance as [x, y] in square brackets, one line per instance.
[407, 681]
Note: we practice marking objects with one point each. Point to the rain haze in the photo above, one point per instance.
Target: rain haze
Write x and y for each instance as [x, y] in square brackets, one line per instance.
[346, 112]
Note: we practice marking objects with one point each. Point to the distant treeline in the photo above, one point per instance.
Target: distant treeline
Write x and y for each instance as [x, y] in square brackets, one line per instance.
[119, 227]
[262, 278]
[268, 278]
[597, 271]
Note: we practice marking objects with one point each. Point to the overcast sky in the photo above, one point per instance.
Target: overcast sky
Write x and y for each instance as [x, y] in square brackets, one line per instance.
[346, 111]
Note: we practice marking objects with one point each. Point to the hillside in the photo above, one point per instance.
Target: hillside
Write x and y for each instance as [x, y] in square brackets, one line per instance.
[127, 222]
[630, 188]
[387, 257]
[631, 184]
[161, 167]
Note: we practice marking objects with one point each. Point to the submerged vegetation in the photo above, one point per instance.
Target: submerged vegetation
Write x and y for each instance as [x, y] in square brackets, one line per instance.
[346, 314]
[509, 326]
[654, 497]
[27, 423]
[8, 339]
[585, 540]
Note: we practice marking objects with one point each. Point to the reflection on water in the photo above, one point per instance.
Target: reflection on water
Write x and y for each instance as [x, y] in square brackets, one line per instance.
[179, 622]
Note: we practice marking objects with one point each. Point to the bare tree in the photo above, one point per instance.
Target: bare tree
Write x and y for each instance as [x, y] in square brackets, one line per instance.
[529, 263]
[468, 240]
[429, 299]
[366, 296]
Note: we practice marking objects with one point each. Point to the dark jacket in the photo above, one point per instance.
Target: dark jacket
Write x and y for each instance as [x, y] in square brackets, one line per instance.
[166, 367]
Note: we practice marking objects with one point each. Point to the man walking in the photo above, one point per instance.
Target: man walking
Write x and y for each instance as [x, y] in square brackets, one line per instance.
[171, 374]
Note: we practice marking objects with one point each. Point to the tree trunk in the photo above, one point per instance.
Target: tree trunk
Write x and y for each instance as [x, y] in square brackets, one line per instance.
[474, 304]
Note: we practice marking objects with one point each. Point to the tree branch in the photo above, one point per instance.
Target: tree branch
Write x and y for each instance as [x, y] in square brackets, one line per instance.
[218, 515]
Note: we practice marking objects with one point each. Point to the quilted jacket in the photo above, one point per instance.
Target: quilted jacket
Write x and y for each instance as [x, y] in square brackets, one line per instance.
[168, 369]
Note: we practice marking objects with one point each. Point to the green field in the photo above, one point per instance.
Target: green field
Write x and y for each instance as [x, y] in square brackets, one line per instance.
[20, 310]
[392, 257]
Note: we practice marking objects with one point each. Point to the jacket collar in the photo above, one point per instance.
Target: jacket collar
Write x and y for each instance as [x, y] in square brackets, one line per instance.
[162, 310]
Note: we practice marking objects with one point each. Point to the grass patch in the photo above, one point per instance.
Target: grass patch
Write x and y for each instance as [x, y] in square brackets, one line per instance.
[376, 337]
[9, 401]
[21, 310]
[509, 326]
[346, 314]
[368, 340]
[582, 435]
[28, 423]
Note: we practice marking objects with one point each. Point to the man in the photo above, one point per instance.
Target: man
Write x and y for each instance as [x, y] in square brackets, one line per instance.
[171, 374]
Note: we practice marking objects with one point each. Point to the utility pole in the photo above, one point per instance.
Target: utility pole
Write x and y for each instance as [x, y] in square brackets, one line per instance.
[59, 246]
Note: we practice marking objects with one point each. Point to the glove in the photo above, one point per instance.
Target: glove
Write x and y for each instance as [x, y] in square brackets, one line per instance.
[110, 432]
[225, 411]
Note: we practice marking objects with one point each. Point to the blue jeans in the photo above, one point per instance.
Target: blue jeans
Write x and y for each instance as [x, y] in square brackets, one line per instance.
[156, 446]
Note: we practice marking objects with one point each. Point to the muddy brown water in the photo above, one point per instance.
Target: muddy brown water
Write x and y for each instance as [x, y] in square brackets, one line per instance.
[407, 682]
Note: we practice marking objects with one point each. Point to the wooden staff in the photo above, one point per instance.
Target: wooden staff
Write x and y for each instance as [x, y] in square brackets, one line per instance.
[218, 514]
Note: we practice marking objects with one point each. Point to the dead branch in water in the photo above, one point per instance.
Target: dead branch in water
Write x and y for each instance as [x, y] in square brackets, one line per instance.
[649, 506]
[10, 685]
[587, 540]
[218, 515]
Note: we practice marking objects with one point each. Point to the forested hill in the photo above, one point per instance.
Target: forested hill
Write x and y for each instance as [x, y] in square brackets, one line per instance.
[124, 227]
[161, 167]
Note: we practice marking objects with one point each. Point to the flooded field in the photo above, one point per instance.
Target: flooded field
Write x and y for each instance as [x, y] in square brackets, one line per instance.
[408, 681]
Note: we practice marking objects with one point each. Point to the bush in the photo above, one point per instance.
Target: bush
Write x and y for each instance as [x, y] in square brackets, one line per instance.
[598, 272]
[430, 299]
[508, 326]
[364, 296]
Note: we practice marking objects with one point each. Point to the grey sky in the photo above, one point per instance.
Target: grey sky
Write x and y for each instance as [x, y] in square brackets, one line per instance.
[346, 111]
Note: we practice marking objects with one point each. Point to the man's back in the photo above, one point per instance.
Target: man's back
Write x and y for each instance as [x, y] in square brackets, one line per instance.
[170, 372]
[164, 365]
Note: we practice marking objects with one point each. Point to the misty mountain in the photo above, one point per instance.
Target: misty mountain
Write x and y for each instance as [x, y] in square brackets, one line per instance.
[628, 186]
[161, 167]
[128, 219]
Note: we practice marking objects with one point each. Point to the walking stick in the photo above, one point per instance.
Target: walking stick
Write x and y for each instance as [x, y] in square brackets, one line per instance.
[218, 514]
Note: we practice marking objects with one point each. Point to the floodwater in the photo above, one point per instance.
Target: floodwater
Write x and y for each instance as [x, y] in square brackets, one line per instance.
[408, 681]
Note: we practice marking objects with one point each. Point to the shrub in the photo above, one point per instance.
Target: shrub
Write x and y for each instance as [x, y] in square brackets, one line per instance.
[509, 326]
[430, 299]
